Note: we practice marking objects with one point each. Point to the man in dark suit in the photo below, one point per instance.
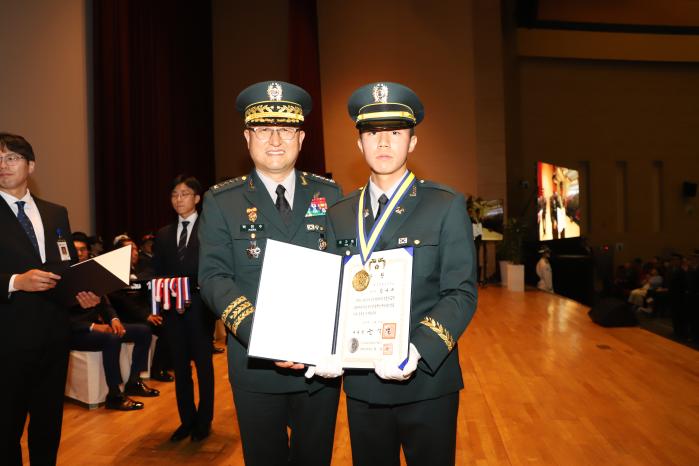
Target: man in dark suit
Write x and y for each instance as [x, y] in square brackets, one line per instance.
[100, 329]
[412, 405]
[176, 254]
[274, 201]
[35, 246]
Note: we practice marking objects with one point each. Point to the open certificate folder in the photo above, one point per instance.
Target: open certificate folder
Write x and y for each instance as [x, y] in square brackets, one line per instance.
[311, 304]
[101, 275]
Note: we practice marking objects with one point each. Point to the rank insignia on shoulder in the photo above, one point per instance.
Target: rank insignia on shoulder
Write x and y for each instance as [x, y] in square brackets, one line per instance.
[318, 207]
[344, 243]
[252, 227]
[252, 214]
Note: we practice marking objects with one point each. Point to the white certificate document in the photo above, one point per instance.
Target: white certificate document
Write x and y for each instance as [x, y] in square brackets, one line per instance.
[296, 304]
[374, 323]
[304, 313]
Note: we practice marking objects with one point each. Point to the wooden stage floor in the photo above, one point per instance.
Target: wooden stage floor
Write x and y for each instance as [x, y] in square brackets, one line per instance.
[544, 385]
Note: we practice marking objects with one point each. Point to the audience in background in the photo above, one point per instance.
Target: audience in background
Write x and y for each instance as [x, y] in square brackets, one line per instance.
[663, 285]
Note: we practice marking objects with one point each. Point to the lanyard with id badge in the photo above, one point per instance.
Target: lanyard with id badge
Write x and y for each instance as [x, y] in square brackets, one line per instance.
[62, 246]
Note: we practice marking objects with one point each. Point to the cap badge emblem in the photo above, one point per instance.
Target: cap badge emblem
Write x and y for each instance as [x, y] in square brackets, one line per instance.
[274, 91]
[380, 93]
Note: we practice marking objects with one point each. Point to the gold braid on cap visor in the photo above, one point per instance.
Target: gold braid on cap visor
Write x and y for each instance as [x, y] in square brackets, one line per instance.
[265, 112]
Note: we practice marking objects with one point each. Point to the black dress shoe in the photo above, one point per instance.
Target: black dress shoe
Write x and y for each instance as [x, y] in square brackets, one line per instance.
[139, 389]
[162, 376]
[122, 403]
[201, 432]
[181, 433]
[218, 349]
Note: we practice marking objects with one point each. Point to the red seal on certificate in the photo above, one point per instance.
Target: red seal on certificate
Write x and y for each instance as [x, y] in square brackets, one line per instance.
[389, 331]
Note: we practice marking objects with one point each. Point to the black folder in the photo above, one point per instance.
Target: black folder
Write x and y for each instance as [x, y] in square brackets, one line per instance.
[101, 275]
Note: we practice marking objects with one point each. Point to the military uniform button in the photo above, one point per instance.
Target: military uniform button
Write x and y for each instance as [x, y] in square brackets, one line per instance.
[416, 242]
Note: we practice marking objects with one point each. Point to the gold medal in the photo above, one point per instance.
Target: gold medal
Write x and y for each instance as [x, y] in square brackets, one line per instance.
[360, 282]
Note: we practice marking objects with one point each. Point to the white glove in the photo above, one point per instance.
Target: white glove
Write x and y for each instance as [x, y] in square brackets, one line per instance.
[329, 368]
[389, 369]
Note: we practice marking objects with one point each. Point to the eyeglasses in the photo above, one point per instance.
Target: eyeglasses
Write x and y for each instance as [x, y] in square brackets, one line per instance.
[264, 133]
[184, 195]
[11, 159]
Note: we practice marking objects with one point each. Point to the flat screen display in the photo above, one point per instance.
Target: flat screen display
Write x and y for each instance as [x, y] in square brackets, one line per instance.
[558, 202]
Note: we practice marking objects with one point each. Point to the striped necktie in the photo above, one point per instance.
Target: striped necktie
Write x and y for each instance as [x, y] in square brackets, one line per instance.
[182, 243]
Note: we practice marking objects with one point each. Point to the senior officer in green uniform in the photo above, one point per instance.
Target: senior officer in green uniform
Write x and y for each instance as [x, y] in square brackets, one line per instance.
[414, 404]
[274, 201]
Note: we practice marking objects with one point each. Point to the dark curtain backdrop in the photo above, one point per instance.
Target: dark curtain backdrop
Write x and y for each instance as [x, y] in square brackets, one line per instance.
[304, 71]
[153, 108]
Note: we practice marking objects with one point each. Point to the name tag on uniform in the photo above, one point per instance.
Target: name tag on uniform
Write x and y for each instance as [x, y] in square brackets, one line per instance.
[344, 243]
[252, 227]
[63, 249]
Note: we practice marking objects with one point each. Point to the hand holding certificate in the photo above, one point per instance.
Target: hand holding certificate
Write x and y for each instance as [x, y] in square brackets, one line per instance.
[311, 305]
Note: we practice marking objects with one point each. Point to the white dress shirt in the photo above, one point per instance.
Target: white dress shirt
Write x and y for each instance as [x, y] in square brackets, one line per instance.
[191, 219]
[289, 184]
[34, 216]
[375, 193]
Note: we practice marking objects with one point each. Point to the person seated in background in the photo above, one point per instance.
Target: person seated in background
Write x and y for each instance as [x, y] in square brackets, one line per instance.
[144, 267]
[132, 305]
[83, 241]
[99, 329]
[96, 245]
[651, 284]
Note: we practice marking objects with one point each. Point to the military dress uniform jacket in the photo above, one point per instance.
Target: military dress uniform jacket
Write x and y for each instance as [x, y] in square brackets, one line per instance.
[238, 217]
[432, 219]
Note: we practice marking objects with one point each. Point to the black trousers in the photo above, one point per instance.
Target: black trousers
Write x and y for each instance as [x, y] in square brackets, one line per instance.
[162, 359]
[263, 419]
[110, 345]
[426, 430]
[190, 338]
[35, 386]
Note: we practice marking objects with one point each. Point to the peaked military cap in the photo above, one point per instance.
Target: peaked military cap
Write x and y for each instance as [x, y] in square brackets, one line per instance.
[385, 105]
[273, 103]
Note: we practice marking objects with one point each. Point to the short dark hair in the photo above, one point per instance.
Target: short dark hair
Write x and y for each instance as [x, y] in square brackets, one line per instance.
[191, 182]
[82, 237]
[17, 144]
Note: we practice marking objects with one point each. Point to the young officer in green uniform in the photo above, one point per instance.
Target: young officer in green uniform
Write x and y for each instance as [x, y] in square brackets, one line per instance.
[414, 404]
[274, 201]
